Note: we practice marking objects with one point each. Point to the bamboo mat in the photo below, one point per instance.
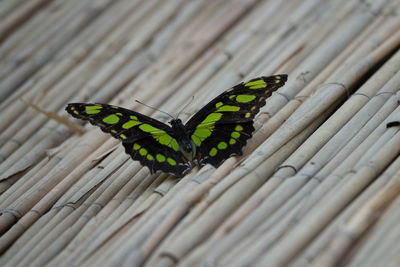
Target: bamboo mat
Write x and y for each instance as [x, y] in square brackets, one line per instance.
[318, 184]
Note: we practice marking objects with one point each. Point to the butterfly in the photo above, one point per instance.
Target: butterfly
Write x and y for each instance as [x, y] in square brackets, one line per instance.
[216, 132]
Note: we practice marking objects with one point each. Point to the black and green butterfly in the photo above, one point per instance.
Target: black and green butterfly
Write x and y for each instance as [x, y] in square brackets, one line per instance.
[218, 131]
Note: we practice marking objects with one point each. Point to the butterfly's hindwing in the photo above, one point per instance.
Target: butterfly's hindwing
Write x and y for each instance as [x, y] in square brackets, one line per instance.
[157, 157]
[234, 109]
[225, 142]
[145, 139]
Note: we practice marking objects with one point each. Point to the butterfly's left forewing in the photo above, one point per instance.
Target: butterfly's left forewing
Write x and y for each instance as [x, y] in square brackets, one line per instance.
[145, 139]
[222, 127]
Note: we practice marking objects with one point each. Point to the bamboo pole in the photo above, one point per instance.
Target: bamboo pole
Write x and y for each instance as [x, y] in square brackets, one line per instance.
[14, 80]
[358, 224]
[303, 231]
[326, 236]
[82, 203]
[15, 19]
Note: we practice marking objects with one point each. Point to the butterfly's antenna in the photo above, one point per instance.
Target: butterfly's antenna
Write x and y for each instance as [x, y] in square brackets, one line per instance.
[154, 108]
[187, 104]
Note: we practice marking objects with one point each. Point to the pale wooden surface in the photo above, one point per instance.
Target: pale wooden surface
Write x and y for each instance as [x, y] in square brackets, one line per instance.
[318, 184]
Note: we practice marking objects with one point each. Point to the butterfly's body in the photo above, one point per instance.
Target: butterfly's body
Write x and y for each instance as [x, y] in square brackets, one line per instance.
[182, 136]
[218, 131]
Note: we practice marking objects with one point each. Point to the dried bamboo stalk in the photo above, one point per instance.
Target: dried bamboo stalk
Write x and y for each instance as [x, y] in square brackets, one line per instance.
[14, 80]
[326, 236]
[86, 206]
[299, 232]
[358, 224]
[15, 19]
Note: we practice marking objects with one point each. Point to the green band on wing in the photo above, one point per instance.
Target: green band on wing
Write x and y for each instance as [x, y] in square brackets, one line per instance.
[130, 124]
[205, 128]
[260, 86]
[167, 140]
[93, 109]
[202, 132]
[235, 135]
[196, 140]
[228, 108]
[148, 128]
[213, 117]
[255, 83]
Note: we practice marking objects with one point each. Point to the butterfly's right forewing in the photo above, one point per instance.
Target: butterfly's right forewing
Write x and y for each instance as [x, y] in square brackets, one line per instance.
[222, 127]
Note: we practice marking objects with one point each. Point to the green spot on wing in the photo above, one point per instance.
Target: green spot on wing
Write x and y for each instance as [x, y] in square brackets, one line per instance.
[238, 128]
[150, 157]
[245, 98]
[171, 161]
[136, 146]
[218, 104]
[160, 158]
[111, 119]
[143, 151]
[213, 152]
[222, 145]
[235, 135]
[232, 141]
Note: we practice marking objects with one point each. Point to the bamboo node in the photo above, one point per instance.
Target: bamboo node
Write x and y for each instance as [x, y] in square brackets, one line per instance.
[284, 95]
[13, 212]
[170, 256]
[335, 83]
[358, 93]
[287, 166]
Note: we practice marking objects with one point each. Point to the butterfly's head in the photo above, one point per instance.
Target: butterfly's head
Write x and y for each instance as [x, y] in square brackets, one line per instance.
[176, 122]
